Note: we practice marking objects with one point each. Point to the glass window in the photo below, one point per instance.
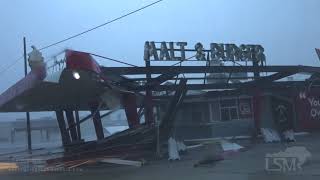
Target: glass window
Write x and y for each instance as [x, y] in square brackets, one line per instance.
[196, 117]
[233, 113]
[225, 116]
[228, 102]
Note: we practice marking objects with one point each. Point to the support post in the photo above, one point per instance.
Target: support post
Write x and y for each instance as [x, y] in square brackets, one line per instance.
[78, 125]
[97, 122]
[167, 123]
[27, 113]
[63, 130]
[71, 121]
[255, 63]
[130, 107]
[148, 102]
[158, 117]
[256, 103]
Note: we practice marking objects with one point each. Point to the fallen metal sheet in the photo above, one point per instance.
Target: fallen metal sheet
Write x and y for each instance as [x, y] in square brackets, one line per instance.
[216, 139]
[131, 141]
[134, 142]
[228, 146]
[194, 146]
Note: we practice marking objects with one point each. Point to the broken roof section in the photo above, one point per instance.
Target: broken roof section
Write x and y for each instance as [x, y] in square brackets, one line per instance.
[41, 92]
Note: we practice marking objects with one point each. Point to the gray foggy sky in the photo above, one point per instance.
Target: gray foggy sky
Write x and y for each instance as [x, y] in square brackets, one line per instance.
[289, 30]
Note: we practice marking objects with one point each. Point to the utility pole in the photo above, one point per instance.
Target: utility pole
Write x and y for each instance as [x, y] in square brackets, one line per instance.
[27, 113]
[148, 98]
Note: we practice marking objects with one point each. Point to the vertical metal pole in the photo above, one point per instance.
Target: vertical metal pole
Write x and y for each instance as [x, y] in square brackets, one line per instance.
[27, 113]
[71, 121]
[130, 108]
[65, 136]
[220, 112]
[148, 104]
[255, 63]
[237, 107]
[95, 111]
[210, 111]
[158, 131]
[78, 125]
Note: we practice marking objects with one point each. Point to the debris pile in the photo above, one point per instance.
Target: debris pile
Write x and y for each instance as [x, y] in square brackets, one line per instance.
[8, 166]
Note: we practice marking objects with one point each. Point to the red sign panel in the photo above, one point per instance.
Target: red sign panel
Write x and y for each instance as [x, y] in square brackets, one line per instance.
[308, 110]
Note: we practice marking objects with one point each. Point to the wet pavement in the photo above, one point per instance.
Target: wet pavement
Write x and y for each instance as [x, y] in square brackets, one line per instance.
[249, 164]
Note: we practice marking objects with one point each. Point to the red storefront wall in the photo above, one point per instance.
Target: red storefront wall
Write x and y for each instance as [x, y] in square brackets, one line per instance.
[308, 111]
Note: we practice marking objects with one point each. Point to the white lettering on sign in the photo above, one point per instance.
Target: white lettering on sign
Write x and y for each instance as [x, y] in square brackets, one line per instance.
[170, 51]
[315, 107]
[314, 102]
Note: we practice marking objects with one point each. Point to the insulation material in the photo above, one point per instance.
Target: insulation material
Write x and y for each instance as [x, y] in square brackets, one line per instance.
[228, 146]
[111, 99]
[173, 149]
[270, 135]
[289, 135]
[181, 146]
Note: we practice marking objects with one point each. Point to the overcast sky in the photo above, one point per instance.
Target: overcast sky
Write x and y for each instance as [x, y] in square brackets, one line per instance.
[289, 30]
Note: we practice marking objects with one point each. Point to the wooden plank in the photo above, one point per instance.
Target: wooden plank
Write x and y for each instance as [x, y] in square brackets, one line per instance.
[81, 163]
[194, 146]
[122, 162]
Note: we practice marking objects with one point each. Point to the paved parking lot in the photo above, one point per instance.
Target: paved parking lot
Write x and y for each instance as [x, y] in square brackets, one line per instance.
[249, 164]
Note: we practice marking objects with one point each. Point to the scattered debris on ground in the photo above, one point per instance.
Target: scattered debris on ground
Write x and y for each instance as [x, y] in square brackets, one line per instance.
[8, 166]
[208, 161]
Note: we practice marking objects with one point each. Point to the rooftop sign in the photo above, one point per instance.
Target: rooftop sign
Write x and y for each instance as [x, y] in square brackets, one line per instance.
[176, 51]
